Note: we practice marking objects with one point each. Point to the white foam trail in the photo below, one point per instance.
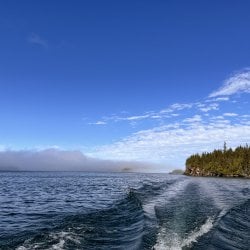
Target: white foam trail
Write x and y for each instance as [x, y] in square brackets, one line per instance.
[63, 237]
[205, 228]
[60, 237]
[59, 245]
[219, 191]
[171, 191]
[172, 241]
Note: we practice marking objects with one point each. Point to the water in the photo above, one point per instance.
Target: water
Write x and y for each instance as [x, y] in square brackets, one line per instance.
[62, 210]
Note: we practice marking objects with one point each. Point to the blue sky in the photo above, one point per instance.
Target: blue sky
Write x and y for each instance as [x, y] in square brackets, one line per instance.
[135, 80]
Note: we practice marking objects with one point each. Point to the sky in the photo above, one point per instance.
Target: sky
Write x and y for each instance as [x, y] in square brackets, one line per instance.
[146, 81]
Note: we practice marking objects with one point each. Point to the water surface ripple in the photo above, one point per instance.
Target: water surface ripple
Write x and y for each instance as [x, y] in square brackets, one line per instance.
[72, 210]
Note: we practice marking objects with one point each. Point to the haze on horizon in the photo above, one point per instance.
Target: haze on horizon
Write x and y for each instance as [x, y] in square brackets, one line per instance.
[121, 86]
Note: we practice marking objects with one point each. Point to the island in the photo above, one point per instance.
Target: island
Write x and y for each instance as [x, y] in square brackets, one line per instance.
[220, 163]
[177, 172]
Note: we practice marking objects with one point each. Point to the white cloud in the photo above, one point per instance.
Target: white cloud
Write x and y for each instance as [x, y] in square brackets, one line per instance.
[98, 123]
[175, 136]
[205, 108]
[173, 144]
[195, 118]
[221, 99]
[36, 39]
[177, 107]
[238, 83]
[156, 117]
[230, 114]
[133, 118]
[153, 115]
[217, 117]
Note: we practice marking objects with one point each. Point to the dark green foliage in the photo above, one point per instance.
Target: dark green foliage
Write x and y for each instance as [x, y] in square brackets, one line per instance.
[226, 162]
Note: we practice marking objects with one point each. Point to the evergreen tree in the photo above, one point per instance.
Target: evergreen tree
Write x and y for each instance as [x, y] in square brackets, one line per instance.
[226, 162]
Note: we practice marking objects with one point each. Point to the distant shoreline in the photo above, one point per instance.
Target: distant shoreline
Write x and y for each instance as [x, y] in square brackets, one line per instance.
[219, 176]
[226, 163]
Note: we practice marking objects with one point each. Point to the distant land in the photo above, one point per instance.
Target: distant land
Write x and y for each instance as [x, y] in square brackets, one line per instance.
[177, 171]
[220, 163]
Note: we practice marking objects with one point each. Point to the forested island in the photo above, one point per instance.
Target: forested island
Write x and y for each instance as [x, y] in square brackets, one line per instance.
[221, 163]
[177, 171]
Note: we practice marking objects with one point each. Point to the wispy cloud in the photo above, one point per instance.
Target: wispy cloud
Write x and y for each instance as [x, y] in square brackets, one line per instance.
[134, 118]
[34, 38]
[221, 99]
[238, 83]
[204, 107]
[230, 114]
[195, 118]
[185, 128]
[148, 115]
[97, 123]
[173, 143]
[176, 107]
[171, 112]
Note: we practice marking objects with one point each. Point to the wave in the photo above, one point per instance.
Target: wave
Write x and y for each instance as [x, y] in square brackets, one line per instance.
[175, 242]
[173, 214]
[121, 224]
[185, 218]
[200, 218]
[54, 241]
[152, 189]
[231, 230]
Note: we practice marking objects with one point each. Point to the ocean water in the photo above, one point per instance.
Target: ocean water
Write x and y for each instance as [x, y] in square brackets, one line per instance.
[72, 210]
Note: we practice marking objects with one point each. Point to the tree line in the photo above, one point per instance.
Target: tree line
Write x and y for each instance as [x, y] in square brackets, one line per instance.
[225, 162]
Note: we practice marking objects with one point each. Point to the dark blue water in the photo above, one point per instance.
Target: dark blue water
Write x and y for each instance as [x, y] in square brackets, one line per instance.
[61, 210]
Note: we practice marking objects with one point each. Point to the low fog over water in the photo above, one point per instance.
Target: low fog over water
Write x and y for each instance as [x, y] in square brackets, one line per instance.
[62, 160]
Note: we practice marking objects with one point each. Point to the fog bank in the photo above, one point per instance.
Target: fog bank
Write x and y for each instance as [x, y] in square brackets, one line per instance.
[63, 160]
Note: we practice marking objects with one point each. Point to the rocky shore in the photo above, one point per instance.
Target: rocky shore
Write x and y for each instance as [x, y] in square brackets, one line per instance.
[220, 163]
[196, 171]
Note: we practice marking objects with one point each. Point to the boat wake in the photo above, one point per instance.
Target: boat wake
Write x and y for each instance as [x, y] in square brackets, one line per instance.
[175, 214]
[172, 241]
